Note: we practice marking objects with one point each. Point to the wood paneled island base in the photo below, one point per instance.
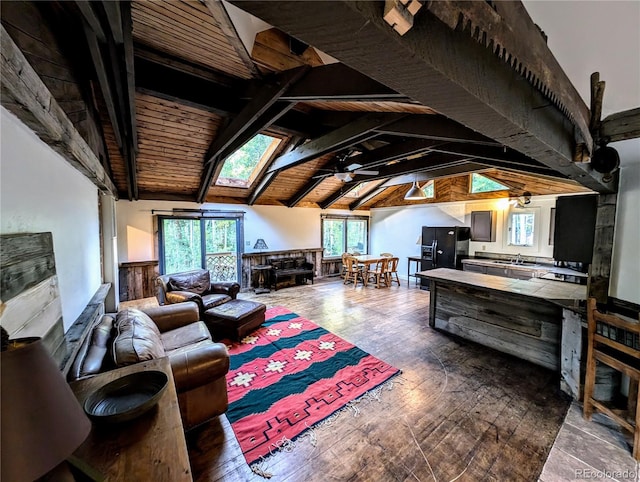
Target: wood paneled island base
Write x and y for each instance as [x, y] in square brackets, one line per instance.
[509, 315]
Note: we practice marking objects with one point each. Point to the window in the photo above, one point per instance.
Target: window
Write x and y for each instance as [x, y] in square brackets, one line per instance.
[361, 189]
[480, 183]
[428, 189]
[213, 243]
[241, 168]
[344, 234]
[522, 228]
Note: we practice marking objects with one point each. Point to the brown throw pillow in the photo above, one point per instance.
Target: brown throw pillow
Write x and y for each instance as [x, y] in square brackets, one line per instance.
[137, 338]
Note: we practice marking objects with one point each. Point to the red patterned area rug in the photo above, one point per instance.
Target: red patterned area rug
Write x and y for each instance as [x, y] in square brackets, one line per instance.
[291, 374]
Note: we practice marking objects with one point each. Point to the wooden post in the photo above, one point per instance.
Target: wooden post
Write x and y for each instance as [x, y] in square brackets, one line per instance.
[600, 272]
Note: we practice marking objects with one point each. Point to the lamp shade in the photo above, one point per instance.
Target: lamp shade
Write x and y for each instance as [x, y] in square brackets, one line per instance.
[260, 244]
[415, 193]
[42, 423]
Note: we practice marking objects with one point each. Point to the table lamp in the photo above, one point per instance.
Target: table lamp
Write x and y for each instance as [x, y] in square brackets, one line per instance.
[41, 423]
[260, 244]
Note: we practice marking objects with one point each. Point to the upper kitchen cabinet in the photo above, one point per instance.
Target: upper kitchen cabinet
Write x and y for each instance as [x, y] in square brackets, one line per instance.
[483, 226]
[574, 230]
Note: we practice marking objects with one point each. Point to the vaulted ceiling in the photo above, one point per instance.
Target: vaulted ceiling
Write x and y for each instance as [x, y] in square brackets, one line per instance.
[172, 92]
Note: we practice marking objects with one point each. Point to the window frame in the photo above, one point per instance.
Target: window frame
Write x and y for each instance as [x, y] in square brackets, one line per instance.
[261, 164]
[536, 228]
[471, 177]
[344, 219]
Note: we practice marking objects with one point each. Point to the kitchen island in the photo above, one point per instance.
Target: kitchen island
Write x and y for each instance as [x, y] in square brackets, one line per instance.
[515, 316]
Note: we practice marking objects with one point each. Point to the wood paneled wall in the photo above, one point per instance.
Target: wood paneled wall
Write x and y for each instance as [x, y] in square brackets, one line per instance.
[30, 300]
[249, 260]
[137, 280]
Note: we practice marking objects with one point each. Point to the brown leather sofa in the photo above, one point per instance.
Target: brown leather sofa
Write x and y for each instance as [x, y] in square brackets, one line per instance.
[199, 365]
[195, 285]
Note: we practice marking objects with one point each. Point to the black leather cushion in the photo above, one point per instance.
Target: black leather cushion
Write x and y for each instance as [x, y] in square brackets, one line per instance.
[288, 264]
[276, 264]
[300, 262]
[209, 301]
[195, 282]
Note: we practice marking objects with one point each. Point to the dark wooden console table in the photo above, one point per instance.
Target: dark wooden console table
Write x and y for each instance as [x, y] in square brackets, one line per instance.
[151, 447]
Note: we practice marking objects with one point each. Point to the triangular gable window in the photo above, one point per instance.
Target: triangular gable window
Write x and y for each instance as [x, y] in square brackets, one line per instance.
[428, 189]
[480, 183]
[241, 168]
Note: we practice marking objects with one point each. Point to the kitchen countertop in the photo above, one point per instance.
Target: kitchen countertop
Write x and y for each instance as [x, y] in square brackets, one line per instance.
[566, 294]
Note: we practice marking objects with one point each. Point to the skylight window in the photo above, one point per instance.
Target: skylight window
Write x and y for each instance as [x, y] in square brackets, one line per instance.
[480, 183]
[428, 189]
[361, 189]
[241, 168]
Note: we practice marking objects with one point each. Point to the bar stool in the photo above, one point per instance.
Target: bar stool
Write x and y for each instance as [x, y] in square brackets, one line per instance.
[616, 343]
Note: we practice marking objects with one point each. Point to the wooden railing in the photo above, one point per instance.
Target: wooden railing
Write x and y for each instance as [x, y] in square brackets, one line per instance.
[222, 266]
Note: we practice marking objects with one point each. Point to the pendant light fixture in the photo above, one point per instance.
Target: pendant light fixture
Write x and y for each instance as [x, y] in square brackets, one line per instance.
[415, 193]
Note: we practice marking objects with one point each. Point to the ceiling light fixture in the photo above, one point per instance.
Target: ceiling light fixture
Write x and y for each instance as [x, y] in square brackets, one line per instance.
[415, 193]
[343, 176]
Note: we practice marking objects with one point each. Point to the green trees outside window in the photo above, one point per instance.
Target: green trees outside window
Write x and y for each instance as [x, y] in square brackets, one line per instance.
[341, 235]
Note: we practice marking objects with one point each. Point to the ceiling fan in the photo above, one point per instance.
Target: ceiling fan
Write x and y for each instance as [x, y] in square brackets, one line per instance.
[346, 172]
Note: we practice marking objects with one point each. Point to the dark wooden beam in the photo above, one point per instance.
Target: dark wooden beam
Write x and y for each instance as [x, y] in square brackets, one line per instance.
[114, 17]
[103, 80]
[345, 189]
[250, 121]
[186, 88]
[304, 190]
[339, 82]
[89, 15]
[228, 29]
[436, 127]
[449, 70]
[129, 66]
[366, 198]
[269, 177]
[345, 136]
[401, 149]
[621, 126]
[24, 94]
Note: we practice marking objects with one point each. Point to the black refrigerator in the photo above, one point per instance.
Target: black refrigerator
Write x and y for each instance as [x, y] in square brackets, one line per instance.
[443, 247]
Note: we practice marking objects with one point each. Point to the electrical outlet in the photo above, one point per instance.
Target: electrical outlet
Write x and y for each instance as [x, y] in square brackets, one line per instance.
[484, 247]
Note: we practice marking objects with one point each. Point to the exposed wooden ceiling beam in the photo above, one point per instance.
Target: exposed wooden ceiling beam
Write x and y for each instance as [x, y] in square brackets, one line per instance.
[24, 94]
[399, 150]
[345, 136]
[193, 90]
[461, 86]
[92, 19]
[250, 121]
[311, 184]
[621, 126]
[436, 127]
[440, 168]
[114, 17]
[269, 177]
[221, 17]
[366, 198]
[339, 82]
[113, 65]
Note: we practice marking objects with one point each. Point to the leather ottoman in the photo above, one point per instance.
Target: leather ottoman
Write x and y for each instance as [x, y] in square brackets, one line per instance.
[234, 319]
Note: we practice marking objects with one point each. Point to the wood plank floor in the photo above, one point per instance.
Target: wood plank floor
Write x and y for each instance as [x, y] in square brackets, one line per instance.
[458, 412]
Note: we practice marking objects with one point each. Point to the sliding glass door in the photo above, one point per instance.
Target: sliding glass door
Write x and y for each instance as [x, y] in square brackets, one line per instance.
[213, 243]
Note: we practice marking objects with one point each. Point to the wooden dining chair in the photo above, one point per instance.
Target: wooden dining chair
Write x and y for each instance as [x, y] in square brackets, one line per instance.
[354, 272]
[343, 270]
[613, 341]
[378, 272]
[392, 271]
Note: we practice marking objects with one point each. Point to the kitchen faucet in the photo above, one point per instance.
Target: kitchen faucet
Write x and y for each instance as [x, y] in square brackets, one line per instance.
[517, 259]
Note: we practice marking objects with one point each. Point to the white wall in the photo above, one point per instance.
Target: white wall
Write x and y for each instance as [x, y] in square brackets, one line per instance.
[41, 192]
[397, 229]
[282, 228]
[625, 266]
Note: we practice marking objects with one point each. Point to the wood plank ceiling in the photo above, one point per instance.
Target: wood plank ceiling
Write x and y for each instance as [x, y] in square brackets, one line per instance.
[198, 96]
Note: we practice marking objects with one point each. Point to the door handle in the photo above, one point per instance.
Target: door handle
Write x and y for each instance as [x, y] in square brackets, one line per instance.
[439, 251]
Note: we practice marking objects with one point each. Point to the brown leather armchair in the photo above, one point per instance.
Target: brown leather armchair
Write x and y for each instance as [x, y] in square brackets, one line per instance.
[199, 365]
[195, 285]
